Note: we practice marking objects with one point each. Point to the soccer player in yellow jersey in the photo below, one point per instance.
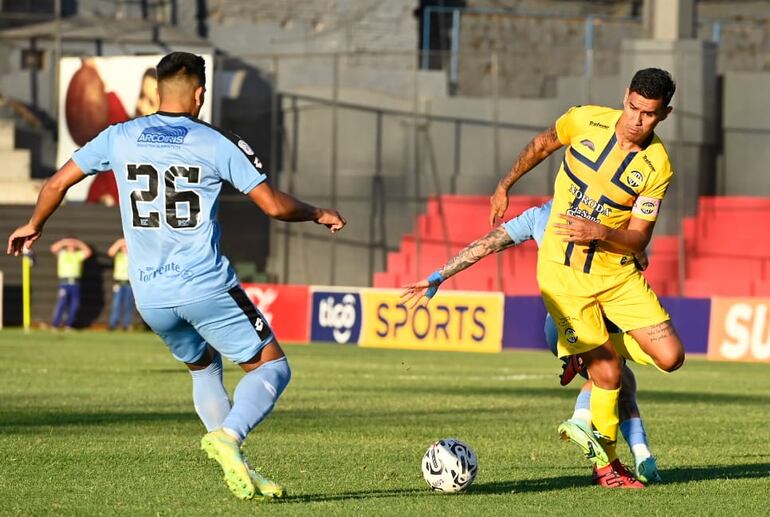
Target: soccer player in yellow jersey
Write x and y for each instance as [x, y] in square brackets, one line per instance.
[607, 194]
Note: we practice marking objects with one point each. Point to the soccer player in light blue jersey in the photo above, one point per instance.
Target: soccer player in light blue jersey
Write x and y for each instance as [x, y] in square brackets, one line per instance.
[531, 225]
[169, 168]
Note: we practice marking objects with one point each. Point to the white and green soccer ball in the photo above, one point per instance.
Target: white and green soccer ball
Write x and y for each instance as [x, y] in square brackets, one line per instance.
[449, 466]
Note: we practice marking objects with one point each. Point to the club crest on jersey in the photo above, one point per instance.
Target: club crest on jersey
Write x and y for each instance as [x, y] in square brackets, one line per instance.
[635, 179]
[588, 144]
[570, 335]
[245, 147]
[163, 135]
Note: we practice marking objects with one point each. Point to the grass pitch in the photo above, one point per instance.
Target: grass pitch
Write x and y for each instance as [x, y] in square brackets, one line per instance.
[95, 423]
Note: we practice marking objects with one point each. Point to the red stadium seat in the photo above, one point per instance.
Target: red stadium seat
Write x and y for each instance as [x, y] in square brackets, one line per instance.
[707, 267]
[667, 245]
[706, 287]
[397, 262]
[761, 288]
[482, 276]
[524, 284]
[386, 279]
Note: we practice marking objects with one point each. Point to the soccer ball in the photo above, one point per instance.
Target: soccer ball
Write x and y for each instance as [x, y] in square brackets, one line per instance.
[449, 466]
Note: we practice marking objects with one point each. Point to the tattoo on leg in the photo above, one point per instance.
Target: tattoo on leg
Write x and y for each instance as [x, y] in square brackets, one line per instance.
[660, 332]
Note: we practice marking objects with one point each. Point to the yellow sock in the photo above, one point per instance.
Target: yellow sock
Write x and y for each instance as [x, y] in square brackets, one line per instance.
[604, 413]
[628, 347]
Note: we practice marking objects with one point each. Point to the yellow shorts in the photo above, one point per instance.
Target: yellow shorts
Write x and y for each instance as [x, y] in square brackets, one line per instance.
[578, 303]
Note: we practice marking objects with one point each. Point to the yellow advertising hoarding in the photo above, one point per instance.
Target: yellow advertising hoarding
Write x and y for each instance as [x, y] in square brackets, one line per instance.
[452, 321]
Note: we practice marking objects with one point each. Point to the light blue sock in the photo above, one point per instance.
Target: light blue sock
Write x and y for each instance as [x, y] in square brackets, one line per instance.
[212, 403]
[633, 432]
[583, 400]
[256, 395]
[583, 406]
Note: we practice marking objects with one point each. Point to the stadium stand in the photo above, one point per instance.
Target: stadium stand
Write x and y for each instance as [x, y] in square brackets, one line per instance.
[96, 225]
[723, 254]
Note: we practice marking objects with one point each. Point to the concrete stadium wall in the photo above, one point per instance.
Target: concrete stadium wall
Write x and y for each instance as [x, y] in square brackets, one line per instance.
[746, 135]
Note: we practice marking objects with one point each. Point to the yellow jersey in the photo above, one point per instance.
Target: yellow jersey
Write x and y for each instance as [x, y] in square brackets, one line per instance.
[120, 267]
[69, 264]
[599, 181]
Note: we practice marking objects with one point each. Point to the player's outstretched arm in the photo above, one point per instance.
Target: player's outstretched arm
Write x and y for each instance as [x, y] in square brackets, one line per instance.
[49, 199]
[284, 207]
[537, 150]
[496, 240]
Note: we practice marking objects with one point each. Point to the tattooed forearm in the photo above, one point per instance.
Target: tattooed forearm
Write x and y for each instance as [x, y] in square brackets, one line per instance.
[535, 152]
[660, 331]
[496, 240]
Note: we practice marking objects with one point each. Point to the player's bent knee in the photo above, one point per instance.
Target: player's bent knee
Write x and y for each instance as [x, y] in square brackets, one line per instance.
[670, 362]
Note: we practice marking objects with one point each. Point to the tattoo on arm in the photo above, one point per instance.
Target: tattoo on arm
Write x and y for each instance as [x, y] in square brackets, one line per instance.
[535, 152]
[660, 331]
[496, 240]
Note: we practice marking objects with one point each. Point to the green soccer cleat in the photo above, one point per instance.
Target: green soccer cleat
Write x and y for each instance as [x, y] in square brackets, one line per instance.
[226, 451]
[647, 471]
[578, 432]
[266, 486]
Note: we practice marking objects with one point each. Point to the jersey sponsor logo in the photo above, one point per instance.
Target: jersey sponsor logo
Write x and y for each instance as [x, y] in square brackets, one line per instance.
[336, 317]
[170, 270]
[579, 212]
[588, 144]
[634, 179]
[598, 124]
[163, 135]
[585, 199]
[245, 147]
[648, 206]
[648, 162]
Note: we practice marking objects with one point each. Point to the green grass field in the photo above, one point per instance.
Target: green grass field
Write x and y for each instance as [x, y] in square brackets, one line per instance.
[95, 423]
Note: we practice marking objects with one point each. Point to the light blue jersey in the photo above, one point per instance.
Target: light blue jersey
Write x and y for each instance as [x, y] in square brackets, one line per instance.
[169, 169]
[530, 224]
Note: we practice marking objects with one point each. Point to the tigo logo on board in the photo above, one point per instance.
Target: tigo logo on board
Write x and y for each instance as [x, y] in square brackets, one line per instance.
[336, 316]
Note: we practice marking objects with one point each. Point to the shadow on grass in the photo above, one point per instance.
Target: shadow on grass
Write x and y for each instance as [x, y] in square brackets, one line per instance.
[368, 494]
[60, 419]
[708, 472]
[665, 397]
[677, 475]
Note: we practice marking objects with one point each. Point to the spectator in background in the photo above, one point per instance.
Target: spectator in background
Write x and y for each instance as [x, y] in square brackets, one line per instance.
[122, 296]
[70, 255]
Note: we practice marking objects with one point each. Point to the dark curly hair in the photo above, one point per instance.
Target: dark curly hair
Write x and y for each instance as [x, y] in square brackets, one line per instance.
[653, 83]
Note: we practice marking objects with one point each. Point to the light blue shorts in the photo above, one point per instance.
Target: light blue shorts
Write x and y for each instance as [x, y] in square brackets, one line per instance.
[228, 322]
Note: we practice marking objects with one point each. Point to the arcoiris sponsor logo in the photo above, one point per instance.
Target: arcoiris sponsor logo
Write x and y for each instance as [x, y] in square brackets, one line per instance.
[163, 135]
